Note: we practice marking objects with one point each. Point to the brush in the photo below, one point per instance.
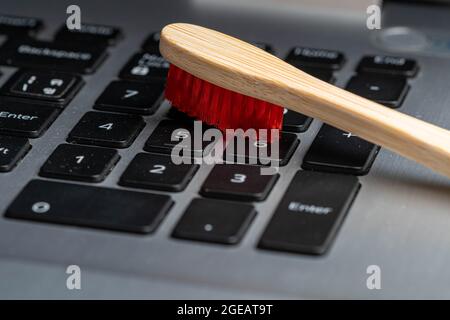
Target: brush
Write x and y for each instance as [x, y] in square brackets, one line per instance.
[229, 83]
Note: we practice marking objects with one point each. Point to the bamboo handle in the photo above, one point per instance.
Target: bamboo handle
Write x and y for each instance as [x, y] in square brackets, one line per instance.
[238, 66]
[412, 138]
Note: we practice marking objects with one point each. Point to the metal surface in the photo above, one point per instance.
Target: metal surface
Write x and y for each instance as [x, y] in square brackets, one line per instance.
[400, 220]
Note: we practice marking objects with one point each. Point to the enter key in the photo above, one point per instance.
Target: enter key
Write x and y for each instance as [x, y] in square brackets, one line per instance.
[309, 215]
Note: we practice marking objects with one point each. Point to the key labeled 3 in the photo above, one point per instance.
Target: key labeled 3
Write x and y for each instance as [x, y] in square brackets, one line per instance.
[239, 182]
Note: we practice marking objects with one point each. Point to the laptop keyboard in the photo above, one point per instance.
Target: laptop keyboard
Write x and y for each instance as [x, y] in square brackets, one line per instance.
[49, 76]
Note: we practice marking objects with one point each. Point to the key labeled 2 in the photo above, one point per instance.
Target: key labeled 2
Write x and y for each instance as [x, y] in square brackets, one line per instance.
[157, 171]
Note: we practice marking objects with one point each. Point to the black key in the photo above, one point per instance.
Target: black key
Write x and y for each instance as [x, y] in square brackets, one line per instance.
[151, 44]
[145, 66]
[159, 172]
[310, 213]
[67, 57]
[12, 149]
[337, 151]
[295, 122]
[131, 97]
[261, 152]
[90, 33]
[160, 141]
[396, 66]
[52, 88]
[390, 91]
[239, 182]
[215, 221]
[320, 73]
[317, 58]
[86, 206]
[25, 120]
[106, 129]
[83, 163]
[16, 26]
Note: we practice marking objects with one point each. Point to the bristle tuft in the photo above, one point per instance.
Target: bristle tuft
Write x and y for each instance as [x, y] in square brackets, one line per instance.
[217, 106]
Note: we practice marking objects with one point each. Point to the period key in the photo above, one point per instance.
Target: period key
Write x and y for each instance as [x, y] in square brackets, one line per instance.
[310, 213]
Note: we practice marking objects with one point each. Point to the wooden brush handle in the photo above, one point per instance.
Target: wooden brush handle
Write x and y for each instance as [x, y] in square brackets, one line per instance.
[238, 66]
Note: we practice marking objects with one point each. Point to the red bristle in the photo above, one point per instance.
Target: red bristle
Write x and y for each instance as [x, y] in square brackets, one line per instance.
[170, 85]
[237, 102]
[249, 113]
[204, 100]
[196, 92]
[217, 106]
[224, 112]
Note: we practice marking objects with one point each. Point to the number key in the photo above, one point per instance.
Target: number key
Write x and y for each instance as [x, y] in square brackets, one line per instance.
[83, 163]
[106, 129]
[178, 137]
[130, 97]
[87, 206]
[251, 151]
[157, 171]
[240, 182]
